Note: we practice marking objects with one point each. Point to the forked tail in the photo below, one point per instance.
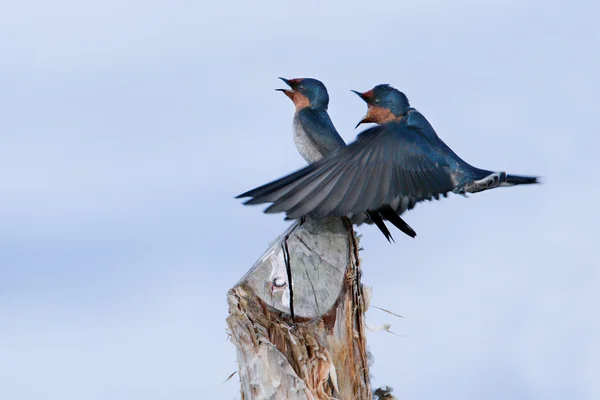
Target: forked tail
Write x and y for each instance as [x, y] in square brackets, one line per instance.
[483, 180]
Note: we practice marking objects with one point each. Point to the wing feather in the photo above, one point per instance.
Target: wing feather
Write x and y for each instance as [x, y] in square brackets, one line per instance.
[385, 163]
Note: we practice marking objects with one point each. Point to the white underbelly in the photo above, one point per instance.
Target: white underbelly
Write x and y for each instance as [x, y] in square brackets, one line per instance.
[305, 146]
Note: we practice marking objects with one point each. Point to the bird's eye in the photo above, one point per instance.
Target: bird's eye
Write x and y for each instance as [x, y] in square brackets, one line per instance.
[300, 88]
[376, 101]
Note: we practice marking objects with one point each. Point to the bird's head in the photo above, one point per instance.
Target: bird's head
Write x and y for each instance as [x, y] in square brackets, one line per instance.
[306, 92]
[384, 104]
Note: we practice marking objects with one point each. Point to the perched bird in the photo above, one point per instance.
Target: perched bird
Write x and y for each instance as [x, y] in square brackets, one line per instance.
[315, 136]
[388, 169]
[314, 133]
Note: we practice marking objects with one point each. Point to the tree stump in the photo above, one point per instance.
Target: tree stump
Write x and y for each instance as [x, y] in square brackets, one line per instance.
[322, 353]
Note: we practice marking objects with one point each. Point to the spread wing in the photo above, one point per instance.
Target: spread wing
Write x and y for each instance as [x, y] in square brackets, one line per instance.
[384, 163]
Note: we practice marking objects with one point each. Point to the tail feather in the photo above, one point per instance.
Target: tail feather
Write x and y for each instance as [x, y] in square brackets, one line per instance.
[478, 180]
[520, 180]
[375, 217]
[390, 214]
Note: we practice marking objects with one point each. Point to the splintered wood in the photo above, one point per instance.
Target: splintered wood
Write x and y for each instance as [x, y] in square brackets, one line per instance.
[322, 353]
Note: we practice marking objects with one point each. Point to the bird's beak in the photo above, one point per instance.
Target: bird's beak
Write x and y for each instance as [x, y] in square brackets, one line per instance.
[366, 97]
[288, 93]
[366, 119]
[286, 81]
[359, 94]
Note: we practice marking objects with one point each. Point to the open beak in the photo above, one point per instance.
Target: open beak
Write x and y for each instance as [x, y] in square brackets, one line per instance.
[287, 92]
[365, 96]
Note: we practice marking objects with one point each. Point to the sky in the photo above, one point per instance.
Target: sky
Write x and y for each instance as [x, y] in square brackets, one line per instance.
[127, 128]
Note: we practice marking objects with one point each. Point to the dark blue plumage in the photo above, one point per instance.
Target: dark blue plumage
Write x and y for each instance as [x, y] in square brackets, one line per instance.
[384, 96]
[387, 170]
[387, 97]
[313, 89]
[318, 128]
[314, 133]
[315, 136]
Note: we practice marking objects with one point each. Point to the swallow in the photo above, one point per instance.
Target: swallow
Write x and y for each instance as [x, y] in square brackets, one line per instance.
[313, 131]
[400, 160]
[387, 104]
[315, 136]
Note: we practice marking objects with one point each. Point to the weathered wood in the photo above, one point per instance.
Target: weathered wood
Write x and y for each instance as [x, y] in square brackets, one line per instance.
[322, 354]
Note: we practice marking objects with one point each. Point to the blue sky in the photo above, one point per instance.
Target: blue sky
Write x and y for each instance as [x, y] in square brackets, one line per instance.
[126, 130]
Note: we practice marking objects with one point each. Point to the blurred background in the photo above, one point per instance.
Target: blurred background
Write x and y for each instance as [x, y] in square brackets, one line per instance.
[126, 129]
